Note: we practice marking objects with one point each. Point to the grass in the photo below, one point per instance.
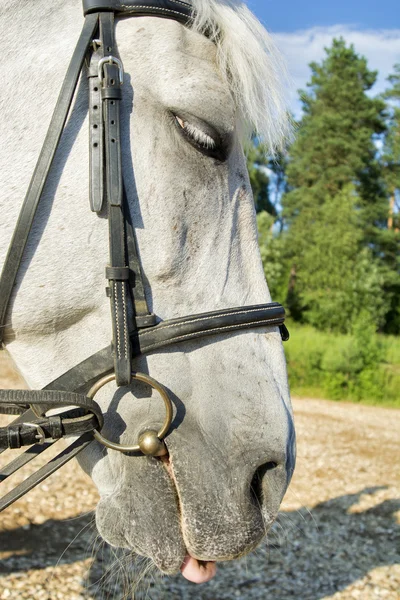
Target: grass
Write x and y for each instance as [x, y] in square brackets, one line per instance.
[363, 367]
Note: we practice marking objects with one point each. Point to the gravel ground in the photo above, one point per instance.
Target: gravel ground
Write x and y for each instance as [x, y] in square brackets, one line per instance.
[337, 537]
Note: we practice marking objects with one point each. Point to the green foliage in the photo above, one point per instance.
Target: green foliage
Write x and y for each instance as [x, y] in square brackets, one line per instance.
[336, 274]
[328, 214]
[334, 145]
[274, 260]
[257, 166]
[391, 150]
[336, 206]
[273, 257]
[390, 237]
[354, 367]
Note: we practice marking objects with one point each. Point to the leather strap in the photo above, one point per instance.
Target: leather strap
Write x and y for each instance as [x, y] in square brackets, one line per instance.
[51, 399]
[47, 470]
[25, 220]
[142, 315]
[111, 79]
[193, 327]
[23, 459]
[179, 10]
[96, 133]
[81, 377]
[72, 422]
[42, 430]
[117, 273]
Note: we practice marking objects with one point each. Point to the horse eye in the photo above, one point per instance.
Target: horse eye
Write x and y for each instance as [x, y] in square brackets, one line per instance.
[196, 135]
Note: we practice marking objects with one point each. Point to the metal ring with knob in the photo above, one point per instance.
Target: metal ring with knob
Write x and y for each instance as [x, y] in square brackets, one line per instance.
[150, 441]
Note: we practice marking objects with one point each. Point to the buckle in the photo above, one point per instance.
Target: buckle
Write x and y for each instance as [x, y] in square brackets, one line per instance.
[40, 435]
[111, 60]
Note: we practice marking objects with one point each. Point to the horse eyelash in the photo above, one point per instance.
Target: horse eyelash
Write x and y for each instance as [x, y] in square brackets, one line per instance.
[197, 134]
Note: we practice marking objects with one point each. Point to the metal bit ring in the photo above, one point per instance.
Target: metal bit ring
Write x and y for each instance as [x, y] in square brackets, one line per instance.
[150, 442]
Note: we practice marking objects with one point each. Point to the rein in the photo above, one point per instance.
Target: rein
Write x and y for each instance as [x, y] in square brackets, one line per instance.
[132, 336]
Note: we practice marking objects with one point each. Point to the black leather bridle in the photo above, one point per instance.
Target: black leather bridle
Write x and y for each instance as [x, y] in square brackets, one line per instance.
[132, 336]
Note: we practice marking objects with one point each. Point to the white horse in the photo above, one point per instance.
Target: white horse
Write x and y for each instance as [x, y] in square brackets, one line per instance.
[195, 223]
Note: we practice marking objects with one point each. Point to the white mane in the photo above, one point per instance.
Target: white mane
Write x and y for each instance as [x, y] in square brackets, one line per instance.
[248, 57]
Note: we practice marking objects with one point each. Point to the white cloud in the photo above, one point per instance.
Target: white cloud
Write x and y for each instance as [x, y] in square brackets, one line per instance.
[380, 47]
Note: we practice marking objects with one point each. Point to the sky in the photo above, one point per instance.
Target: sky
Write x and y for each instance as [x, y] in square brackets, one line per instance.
[303, 28]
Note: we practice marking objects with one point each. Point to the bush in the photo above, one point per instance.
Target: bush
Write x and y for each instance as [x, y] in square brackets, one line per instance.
[344, 367]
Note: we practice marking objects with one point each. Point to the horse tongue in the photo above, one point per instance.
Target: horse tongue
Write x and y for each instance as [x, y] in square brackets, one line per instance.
[198, 571]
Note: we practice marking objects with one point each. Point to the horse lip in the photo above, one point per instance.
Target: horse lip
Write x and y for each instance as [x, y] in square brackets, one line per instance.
[167, 462]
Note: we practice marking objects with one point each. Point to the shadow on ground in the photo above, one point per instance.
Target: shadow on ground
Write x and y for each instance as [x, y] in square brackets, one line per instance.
[309, 555]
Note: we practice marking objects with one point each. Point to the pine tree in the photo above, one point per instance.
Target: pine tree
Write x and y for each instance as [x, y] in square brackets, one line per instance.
[335, 149]
[391, 151]
[391, 235]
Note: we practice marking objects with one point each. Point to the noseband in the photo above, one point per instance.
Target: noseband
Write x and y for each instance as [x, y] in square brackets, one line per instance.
[135, 329]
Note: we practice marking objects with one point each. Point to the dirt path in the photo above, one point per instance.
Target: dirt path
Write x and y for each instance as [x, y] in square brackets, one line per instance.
[338, 536]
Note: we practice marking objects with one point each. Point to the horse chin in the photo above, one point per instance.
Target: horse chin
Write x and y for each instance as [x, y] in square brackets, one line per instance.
[120, 529]
[169, 553]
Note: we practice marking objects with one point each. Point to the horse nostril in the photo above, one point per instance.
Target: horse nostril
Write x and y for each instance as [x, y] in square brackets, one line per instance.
[257, 481]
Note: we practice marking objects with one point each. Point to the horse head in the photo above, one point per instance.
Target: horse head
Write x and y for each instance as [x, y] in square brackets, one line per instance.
[192, 93]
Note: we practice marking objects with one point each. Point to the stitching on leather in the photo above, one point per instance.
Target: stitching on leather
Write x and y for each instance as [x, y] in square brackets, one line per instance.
[184, 4]
[116, 318]
[239, 312]
[164, 10]
[123, 288]
[217, 329]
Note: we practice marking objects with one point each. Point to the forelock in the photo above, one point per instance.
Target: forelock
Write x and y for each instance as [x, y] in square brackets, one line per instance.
[253, 66]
